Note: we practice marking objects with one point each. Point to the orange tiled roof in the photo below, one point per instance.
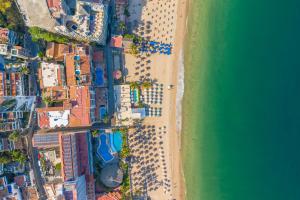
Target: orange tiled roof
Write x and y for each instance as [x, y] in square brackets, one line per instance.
[70, 70]
[57, 51]
[114, 195]
[56, 92]
[78, 103]
[84, 67]
[43, 120]
[80, 112]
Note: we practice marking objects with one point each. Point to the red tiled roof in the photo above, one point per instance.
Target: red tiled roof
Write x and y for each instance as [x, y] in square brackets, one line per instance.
[116, 41]
[57, 51]
[54, 4]
[4, 35]
[83, 154]
[98, 56]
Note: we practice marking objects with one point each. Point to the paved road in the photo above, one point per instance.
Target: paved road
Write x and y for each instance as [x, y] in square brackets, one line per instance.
[109, 65]
[34, 164]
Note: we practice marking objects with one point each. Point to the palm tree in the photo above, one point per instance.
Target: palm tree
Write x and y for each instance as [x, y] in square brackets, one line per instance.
[134, 85]
[24, 70]
[134, 50]
[122, 26]
[47, 100]
[146, 85]
[94, 133]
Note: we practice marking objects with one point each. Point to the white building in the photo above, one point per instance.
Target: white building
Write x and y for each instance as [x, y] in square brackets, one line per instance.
[125, 114]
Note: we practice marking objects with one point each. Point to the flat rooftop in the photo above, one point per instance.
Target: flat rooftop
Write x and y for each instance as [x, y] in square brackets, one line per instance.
[50, 74]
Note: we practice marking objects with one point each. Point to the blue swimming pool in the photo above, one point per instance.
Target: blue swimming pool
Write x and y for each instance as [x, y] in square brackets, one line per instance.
[99, 77]
[102, 112]
[77, 57]
[115, 141]
[103, 149]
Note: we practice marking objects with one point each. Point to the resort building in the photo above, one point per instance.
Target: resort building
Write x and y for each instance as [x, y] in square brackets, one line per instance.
[125, 112]
[81, 19]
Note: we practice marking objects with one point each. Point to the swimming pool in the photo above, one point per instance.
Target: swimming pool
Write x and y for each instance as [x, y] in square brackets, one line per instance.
[115, 139]
[99, 77]
[135, 95]
[103, 149]
[102, 112]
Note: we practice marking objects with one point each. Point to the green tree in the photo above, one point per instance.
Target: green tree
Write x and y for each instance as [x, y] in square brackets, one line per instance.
[134, 85]
[146, 85]
[40, 54]
[41, 34]
[134, 50]
[18, 156]
[5, 158]
[58, 166]
[106, 119]
[95, 133]
[5, 5]
[14, 136]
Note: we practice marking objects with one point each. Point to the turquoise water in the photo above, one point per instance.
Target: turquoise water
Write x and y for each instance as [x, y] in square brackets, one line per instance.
[116, 141]
[241, 110]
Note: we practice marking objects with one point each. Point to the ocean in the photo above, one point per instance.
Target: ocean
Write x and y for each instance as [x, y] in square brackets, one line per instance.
[241, 105]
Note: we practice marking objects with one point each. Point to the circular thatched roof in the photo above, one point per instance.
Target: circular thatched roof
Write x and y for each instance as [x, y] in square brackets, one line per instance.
[111, 175]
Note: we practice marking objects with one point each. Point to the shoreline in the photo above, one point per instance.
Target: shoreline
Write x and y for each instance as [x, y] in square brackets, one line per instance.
[179, 187]
[167, 164]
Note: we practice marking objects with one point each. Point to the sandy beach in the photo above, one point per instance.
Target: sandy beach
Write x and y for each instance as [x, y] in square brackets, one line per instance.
[156, 147]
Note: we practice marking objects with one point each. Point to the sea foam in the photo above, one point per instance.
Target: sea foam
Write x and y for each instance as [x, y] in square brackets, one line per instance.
[180, 91]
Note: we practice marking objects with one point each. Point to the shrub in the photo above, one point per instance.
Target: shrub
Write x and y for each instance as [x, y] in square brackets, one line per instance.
[14, 136]
[41, 34]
